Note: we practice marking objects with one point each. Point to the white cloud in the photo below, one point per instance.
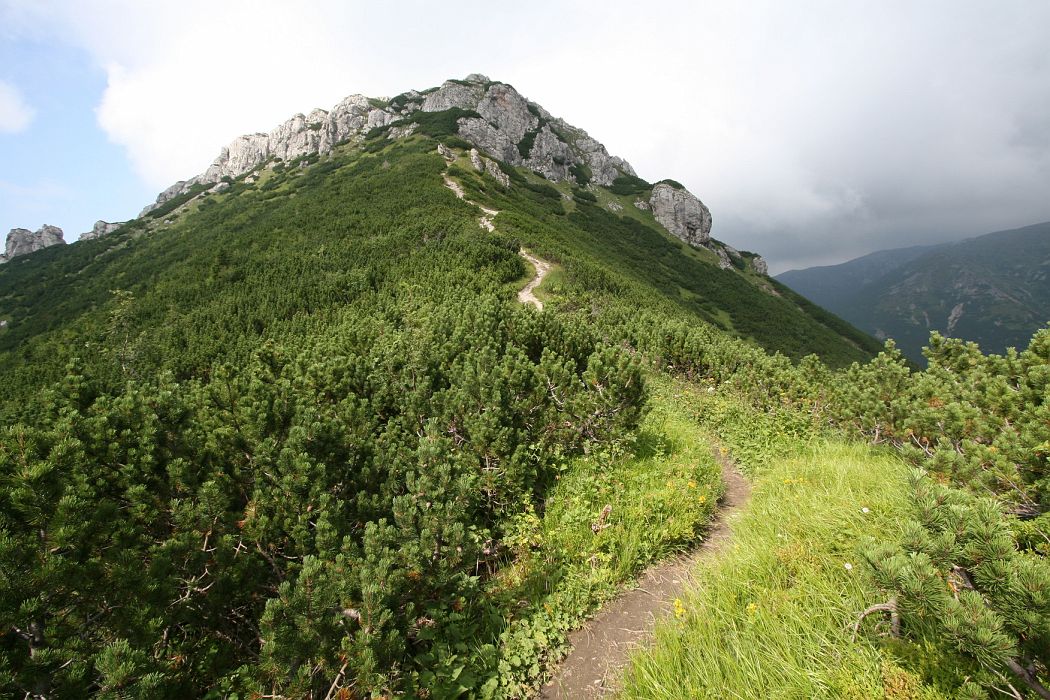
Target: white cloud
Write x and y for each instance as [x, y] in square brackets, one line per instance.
[813, 130]
[15, 114]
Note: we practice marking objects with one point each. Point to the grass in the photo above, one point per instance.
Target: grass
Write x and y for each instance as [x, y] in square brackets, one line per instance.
[662, 493]
[552, 286]
[772, 616]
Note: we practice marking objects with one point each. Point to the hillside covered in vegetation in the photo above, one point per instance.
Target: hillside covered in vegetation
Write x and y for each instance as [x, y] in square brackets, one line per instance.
[993, 290]
[295, 437]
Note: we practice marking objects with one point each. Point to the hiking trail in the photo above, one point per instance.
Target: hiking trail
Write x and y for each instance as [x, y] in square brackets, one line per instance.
[526, 295]
[602, 647]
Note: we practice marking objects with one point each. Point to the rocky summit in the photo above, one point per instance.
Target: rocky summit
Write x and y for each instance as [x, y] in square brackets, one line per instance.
[21, 241]
[101, 228]
[491, 116]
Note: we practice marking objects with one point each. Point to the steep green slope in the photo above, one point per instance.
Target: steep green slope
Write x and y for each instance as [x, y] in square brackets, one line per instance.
[302, 431]
[614, 254]
[993, 290]
[297, 438]
[367, 228]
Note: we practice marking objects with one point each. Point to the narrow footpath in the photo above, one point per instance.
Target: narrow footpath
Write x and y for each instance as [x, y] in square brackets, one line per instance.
[526, 295]
[602, 647]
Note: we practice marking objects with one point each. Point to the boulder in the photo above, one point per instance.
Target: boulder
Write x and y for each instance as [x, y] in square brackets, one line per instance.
[21, 241]
[681, 213]
[100, 229]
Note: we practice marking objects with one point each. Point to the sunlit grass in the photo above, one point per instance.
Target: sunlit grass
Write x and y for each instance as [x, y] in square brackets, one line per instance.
[657, 500]
[772, 616]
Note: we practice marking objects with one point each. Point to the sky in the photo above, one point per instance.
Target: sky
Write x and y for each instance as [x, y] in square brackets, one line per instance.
[815, 131]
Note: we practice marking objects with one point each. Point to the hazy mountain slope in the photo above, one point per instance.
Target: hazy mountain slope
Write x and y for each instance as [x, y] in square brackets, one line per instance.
[993, 289]
[834, 286]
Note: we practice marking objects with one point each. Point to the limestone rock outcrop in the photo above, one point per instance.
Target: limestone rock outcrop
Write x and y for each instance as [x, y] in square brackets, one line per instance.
[316, 133]
[101, 228]
[724, 263]
[681, 213]
[758, 264]
[506, 127]
[487, 165]
[21, 241]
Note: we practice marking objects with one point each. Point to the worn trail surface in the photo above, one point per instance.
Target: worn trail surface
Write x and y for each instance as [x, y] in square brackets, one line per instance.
[487, 216]
[601, 648]
[526, 295]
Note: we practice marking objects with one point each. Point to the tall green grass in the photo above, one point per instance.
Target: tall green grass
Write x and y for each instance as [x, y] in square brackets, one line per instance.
[772, 617]
[662, 492]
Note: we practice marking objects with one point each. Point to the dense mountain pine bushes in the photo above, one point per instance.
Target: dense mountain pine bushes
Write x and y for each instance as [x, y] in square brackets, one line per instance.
[281, 441]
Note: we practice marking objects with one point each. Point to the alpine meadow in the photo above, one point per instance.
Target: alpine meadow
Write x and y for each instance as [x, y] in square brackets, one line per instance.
[292, 433]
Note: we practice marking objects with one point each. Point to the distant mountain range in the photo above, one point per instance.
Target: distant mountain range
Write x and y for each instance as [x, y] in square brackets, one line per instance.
[993, 289]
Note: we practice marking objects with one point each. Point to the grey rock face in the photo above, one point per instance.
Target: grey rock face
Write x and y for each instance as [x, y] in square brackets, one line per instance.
[496, 173]
[319, 132]
[446, 152]
[100, 229]
[508, 111]
[550, 156]
[401, 131]
[21, 241]
[724, 263]
[681, 213]
[487, 165]
[758, 264]
[506, 120]
[453, 94]
[489, 139]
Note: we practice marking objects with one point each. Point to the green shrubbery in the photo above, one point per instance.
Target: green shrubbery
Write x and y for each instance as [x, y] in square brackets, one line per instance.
[581, 172]
[526, 143]
[310, 442]
[318, 515]
[584, 195]
[968, 578]
[441, 124]
[629, 185]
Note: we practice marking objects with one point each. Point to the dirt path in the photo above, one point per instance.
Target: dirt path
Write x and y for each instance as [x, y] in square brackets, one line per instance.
[526, 295]
[601, 648]
[487, 215]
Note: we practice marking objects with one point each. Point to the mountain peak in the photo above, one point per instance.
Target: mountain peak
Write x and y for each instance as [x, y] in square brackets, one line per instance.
[490, 115]
[22, 241]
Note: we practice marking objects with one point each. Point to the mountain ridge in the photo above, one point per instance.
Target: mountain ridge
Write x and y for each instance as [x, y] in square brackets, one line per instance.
[491, 116]
[990, 289]
[495, 118]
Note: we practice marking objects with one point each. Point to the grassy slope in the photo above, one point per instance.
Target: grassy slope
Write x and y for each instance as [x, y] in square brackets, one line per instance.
[351, 229]
[626, 255]
[772, 617]
[662, 492]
